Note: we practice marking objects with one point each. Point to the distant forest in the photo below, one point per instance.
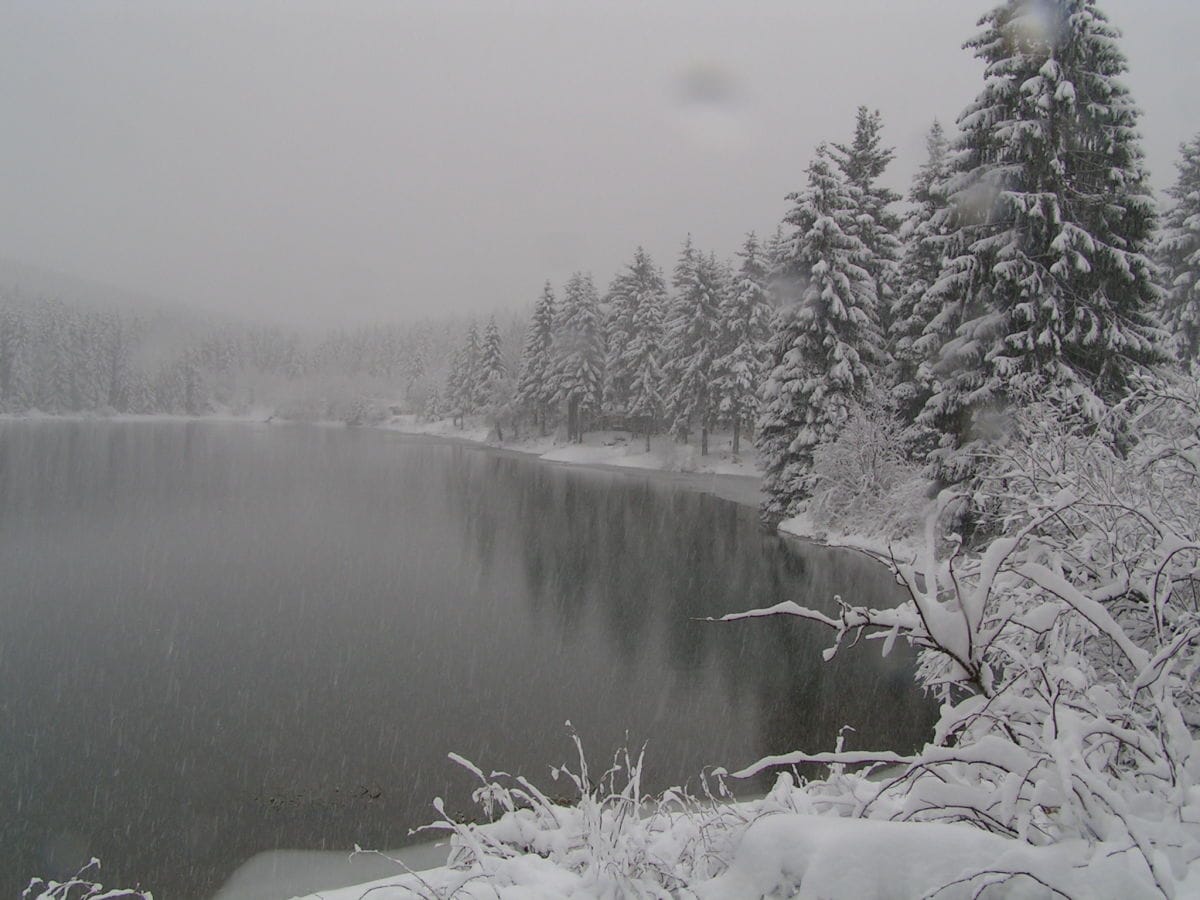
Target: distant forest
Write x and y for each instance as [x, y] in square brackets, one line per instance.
[58, 356]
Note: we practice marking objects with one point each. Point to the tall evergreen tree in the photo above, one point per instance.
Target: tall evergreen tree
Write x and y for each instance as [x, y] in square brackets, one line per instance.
[641, 283]
[1048, 283]
[645, 409]
[745, 315]
[862, 163]
[1179, 256]
[534, 392]
[692, 343]
[462, 395]
[491, 354]
[578, 370]
[824, 344]
[473, 380]
[925, 232]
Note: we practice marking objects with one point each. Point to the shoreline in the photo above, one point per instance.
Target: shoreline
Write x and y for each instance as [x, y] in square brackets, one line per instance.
[744, 490]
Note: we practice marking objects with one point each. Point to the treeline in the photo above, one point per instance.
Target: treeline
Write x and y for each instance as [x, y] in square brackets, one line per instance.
[640, 357]
[58, 357]
[1028, 263]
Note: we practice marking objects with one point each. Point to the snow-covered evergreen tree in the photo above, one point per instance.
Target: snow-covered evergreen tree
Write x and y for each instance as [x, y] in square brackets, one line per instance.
[692, 343]
[534, 392]
[491, 355]
[924, 231]
[1047, 282]
[577, 373]
[746, 329]
[641, 283]
[473, 380]
[862, 163]
[462, 394]
[1179, 256]
[497, 389]
[641, 359]
[824, 344]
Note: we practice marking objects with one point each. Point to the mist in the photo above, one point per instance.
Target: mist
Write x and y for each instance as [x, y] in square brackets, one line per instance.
[321, 165]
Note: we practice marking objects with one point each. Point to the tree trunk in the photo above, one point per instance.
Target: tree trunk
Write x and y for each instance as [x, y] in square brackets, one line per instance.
[704, 440]
[647, 438]
[544, 417]
[573, 431]
[737, 435]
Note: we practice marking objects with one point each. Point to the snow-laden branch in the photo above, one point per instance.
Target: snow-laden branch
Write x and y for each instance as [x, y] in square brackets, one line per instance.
[1065, 647]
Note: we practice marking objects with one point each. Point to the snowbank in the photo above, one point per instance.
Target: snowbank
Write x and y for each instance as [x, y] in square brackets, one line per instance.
[758, 849]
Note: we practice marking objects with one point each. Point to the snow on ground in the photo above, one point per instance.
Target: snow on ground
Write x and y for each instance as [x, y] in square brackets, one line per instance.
[904, 549]
[605, 448]
[277, 874]
[760, 849]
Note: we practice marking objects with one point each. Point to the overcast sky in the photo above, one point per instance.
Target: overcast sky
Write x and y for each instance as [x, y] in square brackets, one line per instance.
[349, 161]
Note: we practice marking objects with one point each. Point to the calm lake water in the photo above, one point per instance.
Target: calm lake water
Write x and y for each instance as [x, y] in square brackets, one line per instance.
[219, 639]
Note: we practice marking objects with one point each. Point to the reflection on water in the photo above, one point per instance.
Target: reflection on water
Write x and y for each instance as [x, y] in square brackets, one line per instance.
[222, 639]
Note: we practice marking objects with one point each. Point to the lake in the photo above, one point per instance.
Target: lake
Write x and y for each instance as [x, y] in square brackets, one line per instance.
[220, 639]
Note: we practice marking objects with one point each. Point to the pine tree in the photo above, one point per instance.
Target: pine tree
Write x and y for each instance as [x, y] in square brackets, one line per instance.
[862, 163]
[925, 232]
[473, 378]
[491, 355]
[824, 344]
[534, 393]
[641, 359]
[641, 283]
[1047, 285]
[577, 373]
[462, 395]
[1179, 256]
[692, 344]
[746, 328]
[497, 390]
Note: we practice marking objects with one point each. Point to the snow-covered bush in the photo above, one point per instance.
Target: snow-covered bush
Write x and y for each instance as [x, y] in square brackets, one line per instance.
[1065, 651]
[862, 482]
[80, 887]
[612, 840]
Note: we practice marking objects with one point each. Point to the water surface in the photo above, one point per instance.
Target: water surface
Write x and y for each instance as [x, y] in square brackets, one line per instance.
[220, 639]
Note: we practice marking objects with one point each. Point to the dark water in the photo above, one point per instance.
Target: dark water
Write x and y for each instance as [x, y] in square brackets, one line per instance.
[222, 639]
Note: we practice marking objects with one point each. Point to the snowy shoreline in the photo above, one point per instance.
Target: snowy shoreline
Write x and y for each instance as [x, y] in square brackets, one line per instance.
[731, 478]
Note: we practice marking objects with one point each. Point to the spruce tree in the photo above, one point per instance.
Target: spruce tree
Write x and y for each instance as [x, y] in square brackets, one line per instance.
[745, 315]
[824, 343]
[473, 377]
[1047, 285]
[1179, 256]
[925, 232]
[491, 355]
[862, 163]
[578, 368]
[534, 393]
[645, 408]
[692, 344]
[640, 284]
[462, 387]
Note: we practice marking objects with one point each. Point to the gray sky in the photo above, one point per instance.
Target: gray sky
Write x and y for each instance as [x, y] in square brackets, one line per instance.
[348, 161]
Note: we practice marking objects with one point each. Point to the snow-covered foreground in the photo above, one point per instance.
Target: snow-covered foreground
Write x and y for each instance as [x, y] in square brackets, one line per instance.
[774, 847]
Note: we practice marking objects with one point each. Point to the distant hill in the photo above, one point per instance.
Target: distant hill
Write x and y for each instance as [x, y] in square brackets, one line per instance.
[34, 282]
